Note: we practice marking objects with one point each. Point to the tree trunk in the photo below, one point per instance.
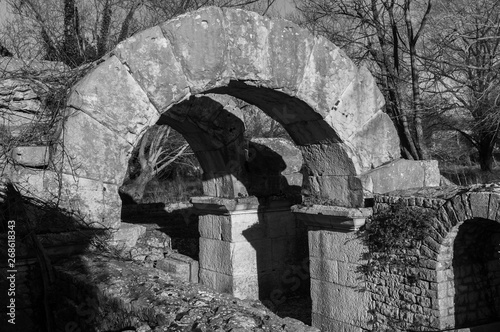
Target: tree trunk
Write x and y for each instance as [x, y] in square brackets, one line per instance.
[71, 44]
[102, 39]
[485, 149]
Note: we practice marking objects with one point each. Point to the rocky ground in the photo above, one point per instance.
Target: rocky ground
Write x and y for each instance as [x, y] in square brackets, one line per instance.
[97, 293]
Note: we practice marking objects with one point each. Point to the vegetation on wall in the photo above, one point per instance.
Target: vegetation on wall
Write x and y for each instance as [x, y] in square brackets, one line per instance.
[393, 237]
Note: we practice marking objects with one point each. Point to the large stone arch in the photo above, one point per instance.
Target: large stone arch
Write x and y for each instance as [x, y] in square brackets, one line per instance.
[331, 108]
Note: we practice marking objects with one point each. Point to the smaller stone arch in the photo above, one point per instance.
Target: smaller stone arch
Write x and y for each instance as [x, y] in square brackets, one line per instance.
[468, 260]
[431, 302]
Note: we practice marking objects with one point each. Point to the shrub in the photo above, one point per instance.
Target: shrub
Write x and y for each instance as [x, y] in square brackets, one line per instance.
[393, 237]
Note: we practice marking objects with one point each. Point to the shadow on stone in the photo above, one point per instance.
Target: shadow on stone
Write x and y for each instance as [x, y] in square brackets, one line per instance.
[278, 239]
[35, 236]
[475, 279]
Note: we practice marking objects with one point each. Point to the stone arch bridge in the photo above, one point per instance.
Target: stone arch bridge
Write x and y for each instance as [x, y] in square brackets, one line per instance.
[177, 73]
[181, 73]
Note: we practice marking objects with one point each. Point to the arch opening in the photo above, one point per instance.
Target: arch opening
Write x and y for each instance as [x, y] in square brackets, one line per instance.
[469, 287]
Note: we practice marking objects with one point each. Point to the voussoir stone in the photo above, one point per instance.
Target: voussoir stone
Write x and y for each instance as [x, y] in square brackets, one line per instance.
[479, 204]
[111, 96]
[375, 142]
[151, 60]
[199, 44]
[92, 150]
[248, 49]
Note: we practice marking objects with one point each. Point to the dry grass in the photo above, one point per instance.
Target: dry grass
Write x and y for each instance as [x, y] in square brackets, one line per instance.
[171, 191]
[469, 175]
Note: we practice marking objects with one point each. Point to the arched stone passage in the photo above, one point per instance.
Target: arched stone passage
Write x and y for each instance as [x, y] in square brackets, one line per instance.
[468, 261]
[473, 278]
[213, 126]
[330, 108]
[457, 278]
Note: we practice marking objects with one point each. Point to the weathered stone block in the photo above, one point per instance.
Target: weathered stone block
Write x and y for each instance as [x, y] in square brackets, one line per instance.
[210, 225]
[345, 304]
[494, 207]
[96, 202]
[323, 84]
[242, 227]
[199, 42]
[152, 63]
[289, 48]
[460, 208]
[400, 174]
[479, 204]
[126, 236]
[216, 256]
[93, 151]
[328, 159]
[246, 286]
[337, 190]
[270, 50]
[324, 269]
[376, 143]
[244, 258]
[31, 156]
[222, 184]
[251, 54]
[357, 104]
[326, 324]
[243, 286]
[345, 247]
[179, 266]
[315, 131]
[218, 281]
[111, 96]
[349, 274]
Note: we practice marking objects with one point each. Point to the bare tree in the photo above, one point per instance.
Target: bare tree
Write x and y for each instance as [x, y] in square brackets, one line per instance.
[78, 31]
[384, 35]
[463, 61]
[71, 31]
[159, 148]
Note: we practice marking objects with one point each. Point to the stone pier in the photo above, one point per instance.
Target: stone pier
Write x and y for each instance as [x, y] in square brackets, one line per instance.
[245, 245]
[339, 302]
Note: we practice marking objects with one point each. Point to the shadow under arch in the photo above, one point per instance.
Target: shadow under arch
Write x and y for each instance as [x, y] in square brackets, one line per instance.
[475, 273]
[468, 290]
